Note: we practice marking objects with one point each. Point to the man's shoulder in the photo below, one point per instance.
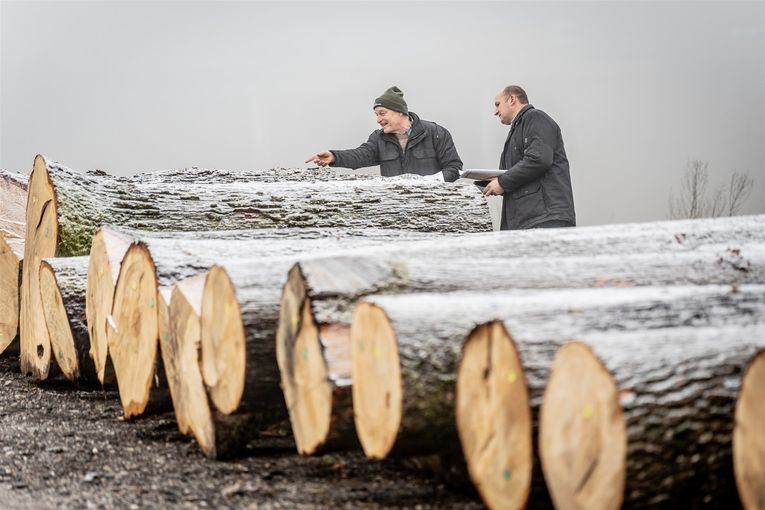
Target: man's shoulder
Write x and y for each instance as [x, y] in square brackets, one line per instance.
[432, 127]
[536, 115]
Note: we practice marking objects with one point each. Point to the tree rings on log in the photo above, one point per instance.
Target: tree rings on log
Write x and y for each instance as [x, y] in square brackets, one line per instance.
[494, 417]
[582, 437]
[377, 385]
[10, 267]
[748, 437]
[223, 348]
[132, 333]
[180, 344]
[41, 241]
[106, 253]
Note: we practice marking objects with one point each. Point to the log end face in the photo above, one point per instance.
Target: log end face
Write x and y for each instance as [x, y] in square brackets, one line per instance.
[377, 384]
[133, 331]
[99, 297]
[310, 401]
[180, 327]
[57, 324]
[748, 437]
[494, 417]
[582, 432]
[41, 241]
[222, 341]
[9, 295]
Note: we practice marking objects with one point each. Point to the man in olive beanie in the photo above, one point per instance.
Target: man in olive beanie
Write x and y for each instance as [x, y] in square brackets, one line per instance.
[392, 99]
[404, 144]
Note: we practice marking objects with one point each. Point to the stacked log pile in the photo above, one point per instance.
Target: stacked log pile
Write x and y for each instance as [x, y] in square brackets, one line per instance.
[319, 295]
[600, 367]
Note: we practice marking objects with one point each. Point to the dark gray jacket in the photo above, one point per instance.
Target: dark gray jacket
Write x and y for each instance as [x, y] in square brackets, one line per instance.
[537, 183]
[430, 150]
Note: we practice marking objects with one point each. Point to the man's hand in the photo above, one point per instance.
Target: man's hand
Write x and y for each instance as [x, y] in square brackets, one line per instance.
[322, 158]
[493, 188]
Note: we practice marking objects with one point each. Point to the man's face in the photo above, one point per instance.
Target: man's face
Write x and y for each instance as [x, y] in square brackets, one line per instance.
[504, 107]
[390, 121]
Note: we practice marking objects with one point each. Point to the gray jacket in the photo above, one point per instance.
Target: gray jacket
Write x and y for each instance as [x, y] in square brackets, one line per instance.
[537, 183]
[430, 150]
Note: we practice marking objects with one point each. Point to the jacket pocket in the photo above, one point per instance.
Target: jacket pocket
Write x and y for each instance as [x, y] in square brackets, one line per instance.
[388, 152]
[529, 202]
[527, 190]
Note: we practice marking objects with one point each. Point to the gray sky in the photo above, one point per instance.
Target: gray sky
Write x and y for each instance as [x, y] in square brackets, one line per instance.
[638, 88]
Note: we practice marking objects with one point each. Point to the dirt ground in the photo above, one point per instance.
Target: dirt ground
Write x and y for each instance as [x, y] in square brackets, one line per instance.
[63, 447]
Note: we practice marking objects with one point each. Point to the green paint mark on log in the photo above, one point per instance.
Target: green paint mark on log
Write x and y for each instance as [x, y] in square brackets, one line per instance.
[305, 353]
[151, 303]
[361, 345]
[46, 232]
[506, 474]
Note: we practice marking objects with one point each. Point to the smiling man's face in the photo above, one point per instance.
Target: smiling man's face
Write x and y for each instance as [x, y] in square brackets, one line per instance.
[391, 121]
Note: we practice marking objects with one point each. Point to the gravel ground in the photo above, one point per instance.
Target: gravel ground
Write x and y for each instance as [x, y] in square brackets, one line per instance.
[63, 447]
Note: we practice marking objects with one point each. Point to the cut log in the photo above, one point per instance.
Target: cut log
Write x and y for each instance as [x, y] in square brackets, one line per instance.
[10, 282]
[644, 419]
[13, 200]
[106, 253]
[407, 350]
[76, 204]
[132, 338]
[179, 344]
[748, 440]
[330, 286]
[62, 290]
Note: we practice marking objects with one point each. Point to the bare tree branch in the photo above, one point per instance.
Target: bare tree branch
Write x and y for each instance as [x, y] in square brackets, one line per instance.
[692, 201]
[739, 189]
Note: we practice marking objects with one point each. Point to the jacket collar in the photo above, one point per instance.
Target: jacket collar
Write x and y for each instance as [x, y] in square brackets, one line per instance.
[521, 114]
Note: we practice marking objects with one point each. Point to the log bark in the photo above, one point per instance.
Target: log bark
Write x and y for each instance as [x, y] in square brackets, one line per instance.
[62, 291]
[748, 443]
[410, 355]
[645, 419]
[10, 283]
[76, 204]
[331, 286]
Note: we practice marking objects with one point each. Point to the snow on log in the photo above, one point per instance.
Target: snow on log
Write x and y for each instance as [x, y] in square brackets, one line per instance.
[62, 291]
[410, 355]
[645, 419]
[330, 286]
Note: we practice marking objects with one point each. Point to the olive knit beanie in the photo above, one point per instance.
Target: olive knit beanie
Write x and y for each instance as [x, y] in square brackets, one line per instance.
[392, 99]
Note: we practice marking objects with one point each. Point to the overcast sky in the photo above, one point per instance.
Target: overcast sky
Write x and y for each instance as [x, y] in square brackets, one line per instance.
[638, 88]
